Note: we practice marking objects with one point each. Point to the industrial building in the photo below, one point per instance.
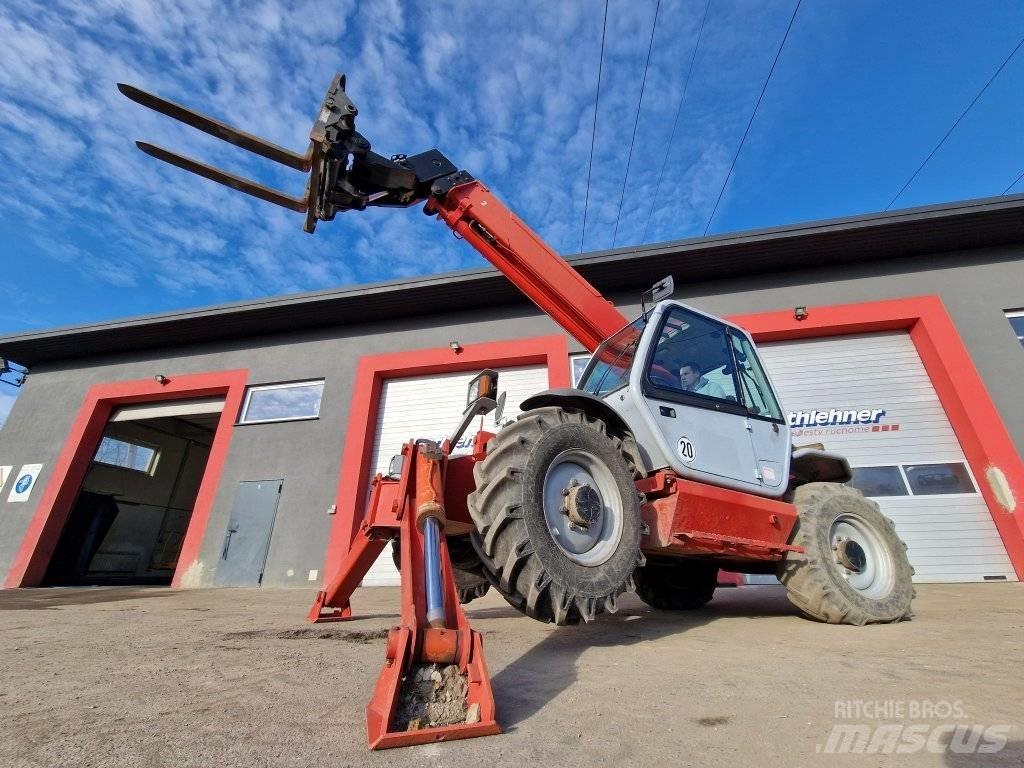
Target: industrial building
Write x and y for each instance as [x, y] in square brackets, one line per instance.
[234, 445]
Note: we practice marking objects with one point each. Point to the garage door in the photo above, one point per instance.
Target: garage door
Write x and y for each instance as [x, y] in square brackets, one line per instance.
[870, 398]
[431, 407]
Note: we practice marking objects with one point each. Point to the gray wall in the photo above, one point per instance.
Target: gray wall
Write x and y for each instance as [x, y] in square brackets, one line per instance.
[976, 288]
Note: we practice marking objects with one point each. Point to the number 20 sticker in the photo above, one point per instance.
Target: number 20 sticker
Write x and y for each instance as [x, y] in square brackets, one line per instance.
[685, 448]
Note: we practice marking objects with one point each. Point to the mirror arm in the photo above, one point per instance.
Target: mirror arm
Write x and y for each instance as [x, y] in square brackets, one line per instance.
[479, 407]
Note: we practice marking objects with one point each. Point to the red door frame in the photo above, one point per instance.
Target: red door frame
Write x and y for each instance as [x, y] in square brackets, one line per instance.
[37, 546]
[972, 414]
[371, 373]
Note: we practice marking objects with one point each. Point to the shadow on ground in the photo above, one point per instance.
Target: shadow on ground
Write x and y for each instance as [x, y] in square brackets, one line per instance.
[547, 669]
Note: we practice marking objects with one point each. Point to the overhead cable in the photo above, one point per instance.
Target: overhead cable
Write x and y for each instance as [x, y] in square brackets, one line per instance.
[636, 120]
[593, 134]
[956, 122]
[675, 122]
[753, 114]
[1014, 183]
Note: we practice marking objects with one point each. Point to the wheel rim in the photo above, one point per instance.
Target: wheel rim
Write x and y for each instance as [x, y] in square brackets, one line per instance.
[596, 542]
[861, 557]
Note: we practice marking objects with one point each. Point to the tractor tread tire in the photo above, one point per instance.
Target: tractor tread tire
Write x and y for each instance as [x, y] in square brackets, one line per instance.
[520, 559]
[676, 585]
[812, 580]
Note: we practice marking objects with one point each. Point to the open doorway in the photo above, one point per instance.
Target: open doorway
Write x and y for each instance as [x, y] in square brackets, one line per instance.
[132, 511]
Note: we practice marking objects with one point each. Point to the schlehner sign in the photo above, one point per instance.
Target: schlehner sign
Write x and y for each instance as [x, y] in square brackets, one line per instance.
[834, 417]
[839, 421]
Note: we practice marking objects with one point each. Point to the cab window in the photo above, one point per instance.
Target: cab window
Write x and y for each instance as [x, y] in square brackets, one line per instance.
[609, 367]
[692, 358]
[757, 392]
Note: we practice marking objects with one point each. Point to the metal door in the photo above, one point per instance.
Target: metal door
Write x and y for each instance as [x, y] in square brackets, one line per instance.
[247, 538]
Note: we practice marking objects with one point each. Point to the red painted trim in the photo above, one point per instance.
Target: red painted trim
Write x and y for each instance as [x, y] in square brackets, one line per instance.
[371, 373]
[29, 565]
[960, 389]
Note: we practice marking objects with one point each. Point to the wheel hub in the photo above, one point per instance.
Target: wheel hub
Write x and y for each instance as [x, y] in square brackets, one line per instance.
[861, 555]
[851, 555]
[582, 505]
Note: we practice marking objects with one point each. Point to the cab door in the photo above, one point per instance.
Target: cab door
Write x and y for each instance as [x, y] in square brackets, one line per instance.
[702, 420]
[768, 430]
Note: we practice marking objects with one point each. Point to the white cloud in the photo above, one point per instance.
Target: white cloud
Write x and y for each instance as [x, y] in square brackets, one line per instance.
[505, 89]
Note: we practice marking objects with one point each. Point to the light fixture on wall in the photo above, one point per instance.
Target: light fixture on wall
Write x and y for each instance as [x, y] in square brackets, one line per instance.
[456, 347]
[161, 379]
[800, 313]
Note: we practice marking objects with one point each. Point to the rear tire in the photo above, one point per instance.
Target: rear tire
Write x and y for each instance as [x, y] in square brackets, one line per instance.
[545, 563]
[854, 569]
[676, 584]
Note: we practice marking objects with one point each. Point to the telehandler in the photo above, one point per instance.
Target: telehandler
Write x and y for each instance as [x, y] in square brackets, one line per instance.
[671, 460]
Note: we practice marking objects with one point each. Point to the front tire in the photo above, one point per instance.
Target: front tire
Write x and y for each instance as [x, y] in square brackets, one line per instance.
[854, 568]
[557, 516]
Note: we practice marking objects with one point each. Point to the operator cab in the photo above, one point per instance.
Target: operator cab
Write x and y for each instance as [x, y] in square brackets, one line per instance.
[694, 392]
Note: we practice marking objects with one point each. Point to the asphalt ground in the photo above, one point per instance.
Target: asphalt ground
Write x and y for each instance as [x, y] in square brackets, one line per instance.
[155, 677]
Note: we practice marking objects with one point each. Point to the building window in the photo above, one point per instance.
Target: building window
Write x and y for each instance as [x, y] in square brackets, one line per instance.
[127, 454]
[1017, 323]
[879, 481]
[936, 479]
[913, 480]
[282, 402]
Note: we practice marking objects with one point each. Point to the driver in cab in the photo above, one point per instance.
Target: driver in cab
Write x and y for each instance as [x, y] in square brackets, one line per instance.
[691, 377]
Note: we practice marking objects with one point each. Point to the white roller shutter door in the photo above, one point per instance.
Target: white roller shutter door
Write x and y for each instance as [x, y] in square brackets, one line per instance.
[431, 407]
[950, 536]
[166, 408]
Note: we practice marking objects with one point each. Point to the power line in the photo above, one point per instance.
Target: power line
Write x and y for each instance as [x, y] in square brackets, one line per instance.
[753, 114]
[593, 134]
[955, 124]
[1014, 183]
[679, 109]
[636, 120]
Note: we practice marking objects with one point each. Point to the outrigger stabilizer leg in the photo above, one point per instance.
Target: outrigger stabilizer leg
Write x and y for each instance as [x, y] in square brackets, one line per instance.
[433, 648]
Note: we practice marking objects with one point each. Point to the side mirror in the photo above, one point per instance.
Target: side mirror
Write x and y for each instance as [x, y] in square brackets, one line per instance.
[395, 466]
[660, 290]
[484, 386]
[480, 400]
[500, 409]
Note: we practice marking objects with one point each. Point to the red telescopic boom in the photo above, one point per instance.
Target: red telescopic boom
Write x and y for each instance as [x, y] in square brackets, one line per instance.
[501, 237]
[344, 174]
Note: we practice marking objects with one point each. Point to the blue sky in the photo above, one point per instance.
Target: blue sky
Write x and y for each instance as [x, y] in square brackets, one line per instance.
[92, 229]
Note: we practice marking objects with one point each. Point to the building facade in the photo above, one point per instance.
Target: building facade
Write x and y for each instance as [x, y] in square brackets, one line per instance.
[233, 446]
